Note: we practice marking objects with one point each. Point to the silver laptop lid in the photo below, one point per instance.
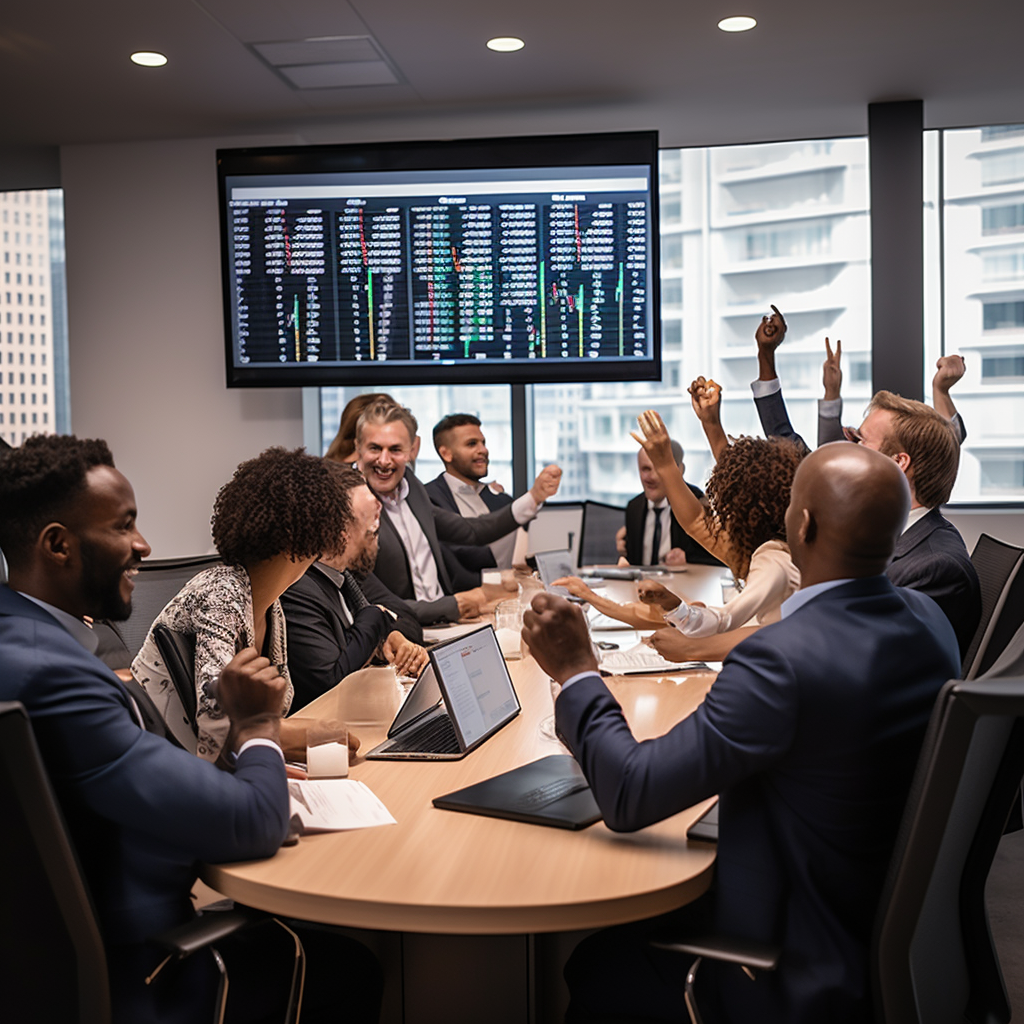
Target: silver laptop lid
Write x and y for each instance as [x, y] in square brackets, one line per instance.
[475, 684]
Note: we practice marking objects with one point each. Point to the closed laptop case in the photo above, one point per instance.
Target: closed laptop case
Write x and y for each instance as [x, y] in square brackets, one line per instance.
[551, 791]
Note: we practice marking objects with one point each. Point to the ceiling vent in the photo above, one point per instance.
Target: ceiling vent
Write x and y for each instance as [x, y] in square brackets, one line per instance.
[328, 62]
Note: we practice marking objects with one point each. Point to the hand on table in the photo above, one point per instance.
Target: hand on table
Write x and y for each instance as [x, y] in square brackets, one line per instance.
[671, 645]
[650, 592]
[407, 657]
[576, 587]
[620, 541]
[557, 635]
[675, 557]
[294, 738]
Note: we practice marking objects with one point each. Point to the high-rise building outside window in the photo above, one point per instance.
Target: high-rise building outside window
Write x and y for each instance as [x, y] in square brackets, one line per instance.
[33, 311]
[974, 251]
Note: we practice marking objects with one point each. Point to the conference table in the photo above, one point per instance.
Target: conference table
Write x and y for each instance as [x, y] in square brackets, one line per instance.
[439, 872]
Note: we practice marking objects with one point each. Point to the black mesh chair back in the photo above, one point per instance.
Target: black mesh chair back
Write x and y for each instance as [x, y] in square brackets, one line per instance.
[932, 957]
[54, 965]
[1006, 620]
[178, 651]
[1011, 662]
[600, 524]
[996, 563]
[159, 579]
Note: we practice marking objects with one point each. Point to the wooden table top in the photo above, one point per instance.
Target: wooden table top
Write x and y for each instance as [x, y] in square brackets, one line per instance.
[442, 871]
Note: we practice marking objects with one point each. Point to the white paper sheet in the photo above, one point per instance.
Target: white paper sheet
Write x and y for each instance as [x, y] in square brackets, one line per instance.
[334, 805]
[642, 660]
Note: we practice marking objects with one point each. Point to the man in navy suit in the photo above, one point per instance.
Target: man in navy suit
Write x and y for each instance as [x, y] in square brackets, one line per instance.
[930, 555]
[809, 735]
[460, 444]
[142, 812]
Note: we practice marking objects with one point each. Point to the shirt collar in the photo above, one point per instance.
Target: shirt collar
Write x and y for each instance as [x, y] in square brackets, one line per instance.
[76, 627]
[397, 496]
[656, 506]
[916, 515]
[456, 485]
[802, 596]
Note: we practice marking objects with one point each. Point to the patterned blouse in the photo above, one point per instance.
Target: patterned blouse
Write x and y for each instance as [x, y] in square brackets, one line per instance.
[215, 607]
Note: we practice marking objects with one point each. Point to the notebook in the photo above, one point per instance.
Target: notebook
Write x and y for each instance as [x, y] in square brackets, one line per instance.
[551, 791]
[463, 697]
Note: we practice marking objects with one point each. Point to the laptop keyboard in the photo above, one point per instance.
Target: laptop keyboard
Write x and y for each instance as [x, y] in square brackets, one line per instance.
[434, 737]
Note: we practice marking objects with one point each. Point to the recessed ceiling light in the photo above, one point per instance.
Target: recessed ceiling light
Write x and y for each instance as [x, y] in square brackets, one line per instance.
[738, 24]
[505, 44]
[149, 59]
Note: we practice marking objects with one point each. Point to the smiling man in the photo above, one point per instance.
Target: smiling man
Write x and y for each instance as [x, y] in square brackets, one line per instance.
[460, 444]
[141, 811]
[410, 561]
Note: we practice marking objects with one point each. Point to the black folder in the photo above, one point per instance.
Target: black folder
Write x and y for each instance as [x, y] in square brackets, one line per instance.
[551, 791]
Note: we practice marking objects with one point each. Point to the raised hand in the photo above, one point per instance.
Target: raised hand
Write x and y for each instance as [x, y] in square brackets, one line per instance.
[556, 633]
[831, 371]
[771, 331]
[948, 370]
[706, 398]
[546, 484]
[655, 441]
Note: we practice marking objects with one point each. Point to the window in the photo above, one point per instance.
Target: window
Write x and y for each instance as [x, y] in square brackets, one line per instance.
[1003, 316]
[1002, 168]
[1002, 367]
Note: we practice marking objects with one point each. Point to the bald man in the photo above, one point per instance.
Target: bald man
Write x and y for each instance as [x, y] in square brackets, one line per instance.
[809, 735]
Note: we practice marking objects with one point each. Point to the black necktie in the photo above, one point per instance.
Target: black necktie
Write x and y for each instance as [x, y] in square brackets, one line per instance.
[656, 541]
[353, 594]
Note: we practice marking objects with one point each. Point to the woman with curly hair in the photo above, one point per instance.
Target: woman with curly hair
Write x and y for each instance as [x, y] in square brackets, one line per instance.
[743, 523]
[276, 516]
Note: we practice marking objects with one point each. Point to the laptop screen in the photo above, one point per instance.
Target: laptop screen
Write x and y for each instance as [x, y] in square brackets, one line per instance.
[477, 687]
[553, 565]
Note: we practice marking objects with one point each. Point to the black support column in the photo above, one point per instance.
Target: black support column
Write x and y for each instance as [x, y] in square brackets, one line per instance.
[896, 146]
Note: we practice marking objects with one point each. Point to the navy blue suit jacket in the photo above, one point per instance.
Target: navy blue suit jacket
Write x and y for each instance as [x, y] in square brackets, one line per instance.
[931, 558]
[142, 813]
[810, 735]
[464, 561]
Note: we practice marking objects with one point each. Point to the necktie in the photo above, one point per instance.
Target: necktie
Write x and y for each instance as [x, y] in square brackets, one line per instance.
[354, 596]
[656, 540]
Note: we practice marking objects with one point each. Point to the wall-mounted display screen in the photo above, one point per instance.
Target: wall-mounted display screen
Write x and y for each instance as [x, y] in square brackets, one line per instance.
[512, 260]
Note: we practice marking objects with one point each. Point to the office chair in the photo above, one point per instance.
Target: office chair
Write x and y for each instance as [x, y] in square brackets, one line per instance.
[932, 960]
[55, 965]
[1006, 620]
[159, 579]
[600, 524]
[178, 651]
[997, 564]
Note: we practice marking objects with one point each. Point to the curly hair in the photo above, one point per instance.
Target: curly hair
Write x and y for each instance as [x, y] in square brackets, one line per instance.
[343, 446]
[748, 492]
[281, 502]
[39, 482]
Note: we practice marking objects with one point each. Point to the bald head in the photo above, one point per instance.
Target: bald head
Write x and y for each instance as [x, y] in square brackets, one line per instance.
[848, 507]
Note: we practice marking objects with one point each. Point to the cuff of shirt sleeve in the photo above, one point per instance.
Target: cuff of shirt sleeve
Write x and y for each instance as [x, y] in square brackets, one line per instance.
[576, 678]
[259, 741]
[830, 408]
[764, 388]
[524, 508]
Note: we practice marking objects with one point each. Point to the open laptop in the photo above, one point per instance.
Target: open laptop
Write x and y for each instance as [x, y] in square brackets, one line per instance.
[463, 697]
[553, 565]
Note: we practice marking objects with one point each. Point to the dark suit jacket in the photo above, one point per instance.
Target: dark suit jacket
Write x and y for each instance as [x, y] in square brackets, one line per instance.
[322, 650]
[810, 736]
[141, 811]
[465, 562]
[438, 524]
[636, 517]
[931, 558]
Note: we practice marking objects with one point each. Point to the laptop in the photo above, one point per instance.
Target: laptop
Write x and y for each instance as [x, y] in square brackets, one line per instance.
[553, 565]
[463, 697]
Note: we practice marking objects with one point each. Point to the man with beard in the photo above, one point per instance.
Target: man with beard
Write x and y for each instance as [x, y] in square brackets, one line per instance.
[332, 628]
[460, 444]
[141, 812]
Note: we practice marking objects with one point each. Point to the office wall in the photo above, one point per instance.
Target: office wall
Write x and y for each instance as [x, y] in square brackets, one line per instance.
[145, 327]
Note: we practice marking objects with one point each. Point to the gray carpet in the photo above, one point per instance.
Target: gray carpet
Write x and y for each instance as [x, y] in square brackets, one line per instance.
[1004, 894]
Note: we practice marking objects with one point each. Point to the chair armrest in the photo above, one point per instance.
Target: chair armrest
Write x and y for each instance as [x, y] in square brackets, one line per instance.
[762, 956]
[207, 928]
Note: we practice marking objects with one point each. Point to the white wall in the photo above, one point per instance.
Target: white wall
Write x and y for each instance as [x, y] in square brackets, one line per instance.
[146, 333]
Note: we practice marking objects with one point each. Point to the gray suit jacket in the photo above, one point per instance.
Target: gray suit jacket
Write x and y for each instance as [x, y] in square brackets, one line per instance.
[438, 524]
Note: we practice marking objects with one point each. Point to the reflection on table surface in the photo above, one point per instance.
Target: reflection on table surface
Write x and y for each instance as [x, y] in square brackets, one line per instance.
[445, 872]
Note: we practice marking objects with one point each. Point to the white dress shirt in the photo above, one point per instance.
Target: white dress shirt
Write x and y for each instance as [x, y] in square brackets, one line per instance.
[471, 505]
[657, 557]
[425, 583]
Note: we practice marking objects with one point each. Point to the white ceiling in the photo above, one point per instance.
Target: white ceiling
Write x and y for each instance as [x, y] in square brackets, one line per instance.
[808, 69]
